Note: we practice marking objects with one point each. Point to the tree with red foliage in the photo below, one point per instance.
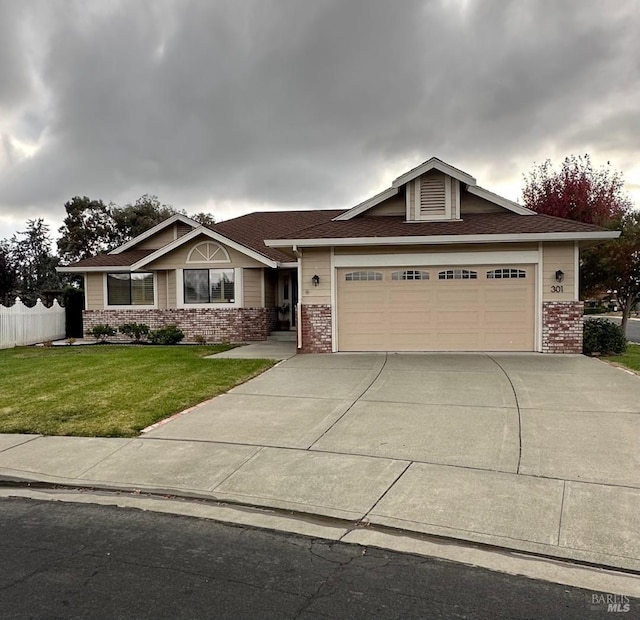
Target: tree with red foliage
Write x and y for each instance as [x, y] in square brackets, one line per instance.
[577, 191]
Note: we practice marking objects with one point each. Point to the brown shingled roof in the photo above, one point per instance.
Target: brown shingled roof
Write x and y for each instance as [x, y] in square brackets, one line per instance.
[251, 230]
[124, 259]
[471, 224]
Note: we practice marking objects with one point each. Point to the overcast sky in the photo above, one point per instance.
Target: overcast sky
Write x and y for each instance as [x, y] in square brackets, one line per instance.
[232, 106]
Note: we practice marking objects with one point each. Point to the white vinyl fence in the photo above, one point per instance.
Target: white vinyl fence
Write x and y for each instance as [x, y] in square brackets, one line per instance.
[21, 325]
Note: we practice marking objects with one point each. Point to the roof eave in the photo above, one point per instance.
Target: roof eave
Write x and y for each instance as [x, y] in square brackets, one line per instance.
[114, 268]
[444, 239]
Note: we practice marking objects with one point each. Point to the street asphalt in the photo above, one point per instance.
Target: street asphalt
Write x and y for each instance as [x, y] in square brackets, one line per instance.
[59, 560]
[526, 452]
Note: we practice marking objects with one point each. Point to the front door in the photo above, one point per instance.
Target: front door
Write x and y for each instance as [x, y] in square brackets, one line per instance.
[287, 295]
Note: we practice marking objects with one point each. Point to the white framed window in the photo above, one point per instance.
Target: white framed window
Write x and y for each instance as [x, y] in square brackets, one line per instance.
[209, 286]
[506, 274]
[458, 274]
[130, 289]
[362, 276]
[410, 274]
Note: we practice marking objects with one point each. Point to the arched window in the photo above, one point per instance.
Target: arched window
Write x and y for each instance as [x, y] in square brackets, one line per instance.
[208, 252]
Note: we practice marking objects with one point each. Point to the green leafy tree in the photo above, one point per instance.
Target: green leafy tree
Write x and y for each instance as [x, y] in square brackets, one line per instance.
[134, 219]
[88, 229]
[577, 191]
[206, 219]
[92, 227]
[30, 252]
[615, 266]
[8, 275]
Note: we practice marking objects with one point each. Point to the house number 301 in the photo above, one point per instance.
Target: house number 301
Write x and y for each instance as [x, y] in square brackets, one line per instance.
[558, 288]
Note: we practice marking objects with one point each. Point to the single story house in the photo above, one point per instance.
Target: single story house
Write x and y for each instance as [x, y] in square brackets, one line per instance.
[434, 263]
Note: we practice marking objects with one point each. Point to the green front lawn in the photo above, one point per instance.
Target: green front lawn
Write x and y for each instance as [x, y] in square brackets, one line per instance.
[631, 359]
[110, 390]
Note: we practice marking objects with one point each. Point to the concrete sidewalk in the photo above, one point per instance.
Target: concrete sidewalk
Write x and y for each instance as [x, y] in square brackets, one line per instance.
[525, 452]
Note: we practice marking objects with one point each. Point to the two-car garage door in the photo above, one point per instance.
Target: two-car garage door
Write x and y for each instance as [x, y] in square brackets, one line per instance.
[475, 308]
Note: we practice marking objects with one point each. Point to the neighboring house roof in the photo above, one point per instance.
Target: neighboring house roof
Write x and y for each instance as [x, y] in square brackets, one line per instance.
[474, 227]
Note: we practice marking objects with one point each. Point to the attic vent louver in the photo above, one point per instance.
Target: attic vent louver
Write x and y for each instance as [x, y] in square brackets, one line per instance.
[432, 196]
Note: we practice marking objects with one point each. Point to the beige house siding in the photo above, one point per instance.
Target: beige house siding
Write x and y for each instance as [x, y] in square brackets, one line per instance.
[252, 282]
[171, 290]
[94, 291]
[474, 204]
[177, 259]
[161, 289]
[316, 262]
[270, 289]
[558, 256]
[392, 206]
[182, 229]
[159, 240]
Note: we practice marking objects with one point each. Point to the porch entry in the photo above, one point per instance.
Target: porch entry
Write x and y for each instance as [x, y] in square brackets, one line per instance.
[287, 298]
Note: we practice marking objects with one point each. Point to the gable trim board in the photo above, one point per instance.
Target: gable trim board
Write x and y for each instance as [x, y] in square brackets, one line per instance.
[178, 217]
[434, 164]
[367, 204]
[499, 200]
[209, 233]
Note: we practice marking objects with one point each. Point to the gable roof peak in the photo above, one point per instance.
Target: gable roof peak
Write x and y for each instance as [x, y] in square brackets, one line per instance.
[178, 217]
[434, 163]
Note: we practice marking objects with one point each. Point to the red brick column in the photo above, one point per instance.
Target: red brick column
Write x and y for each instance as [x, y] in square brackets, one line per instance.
[562, 326]
[316, 328]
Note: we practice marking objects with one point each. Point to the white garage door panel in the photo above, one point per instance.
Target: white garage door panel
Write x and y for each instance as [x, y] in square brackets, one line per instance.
[437, 315]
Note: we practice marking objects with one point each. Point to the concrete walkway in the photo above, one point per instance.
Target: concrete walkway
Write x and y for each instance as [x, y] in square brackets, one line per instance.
[520, 451]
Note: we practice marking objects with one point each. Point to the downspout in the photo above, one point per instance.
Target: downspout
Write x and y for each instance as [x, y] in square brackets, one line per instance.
[298, 253]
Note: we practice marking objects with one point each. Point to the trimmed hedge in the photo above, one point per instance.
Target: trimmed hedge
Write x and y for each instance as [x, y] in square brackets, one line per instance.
[171, 334]
[604, 337]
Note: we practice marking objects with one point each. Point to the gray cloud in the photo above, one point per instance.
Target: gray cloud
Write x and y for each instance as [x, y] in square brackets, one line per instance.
[288, 104]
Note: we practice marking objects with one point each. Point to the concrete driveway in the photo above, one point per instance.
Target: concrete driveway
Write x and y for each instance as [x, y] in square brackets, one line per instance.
[528, 451]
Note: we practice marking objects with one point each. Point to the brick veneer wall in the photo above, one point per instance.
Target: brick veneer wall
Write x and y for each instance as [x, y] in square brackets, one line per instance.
[316, 328]
[216, 324]
[562, 326]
